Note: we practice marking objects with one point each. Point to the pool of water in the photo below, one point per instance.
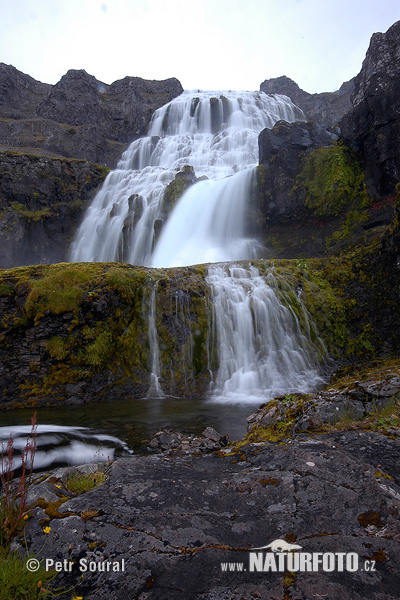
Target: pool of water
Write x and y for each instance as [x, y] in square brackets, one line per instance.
[103, 430]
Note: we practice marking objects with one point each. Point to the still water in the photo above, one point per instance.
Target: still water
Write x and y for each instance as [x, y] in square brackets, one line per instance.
[103, 431]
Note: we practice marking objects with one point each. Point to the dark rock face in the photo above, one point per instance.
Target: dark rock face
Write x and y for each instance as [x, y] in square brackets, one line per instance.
[79, 116]
[176, 519]
[372, 127]
[281, 150]
[42, 201]
[297, 136]
[19, 93]
[326, 108]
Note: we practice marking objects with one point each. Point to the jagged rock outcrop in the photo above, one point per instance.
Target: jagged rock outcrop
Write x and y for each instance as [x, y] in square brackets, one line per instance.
[326, 108]
[20, 94]
[42, 201]
[372, 127]
[80, 116]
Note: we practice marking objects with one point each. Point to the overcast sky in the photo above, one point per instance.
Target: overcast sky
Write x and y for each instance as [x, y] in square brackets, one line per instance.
[206, 44]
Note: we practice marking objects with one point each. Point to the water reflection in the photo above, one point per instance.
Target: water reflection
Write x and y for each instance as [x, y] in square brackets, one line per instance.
[103, 431]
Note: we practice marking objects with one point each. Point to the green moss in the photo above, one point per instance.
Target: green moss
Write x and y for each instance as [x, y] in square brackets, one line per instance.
[6, 290]
[58, 292]
[333, 180]
[100, 351]
[57, 347]
[31, 215]
[174, 191]
[51, 508]
[289, 579]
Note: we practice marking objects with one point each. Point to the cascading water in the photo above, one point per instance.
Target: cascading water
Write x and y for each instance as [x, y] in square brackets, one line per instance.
[261, 348]
[155, 388]
[217, 134]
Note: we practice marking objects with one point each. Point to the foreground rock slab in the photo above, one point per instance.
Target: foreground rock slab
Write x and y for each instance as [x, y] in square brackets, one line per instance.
[177, 519]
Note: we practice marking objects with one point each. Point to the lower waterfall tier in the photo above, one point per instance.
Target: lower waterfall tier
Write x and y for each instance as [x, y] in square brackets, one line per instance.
[234, 331]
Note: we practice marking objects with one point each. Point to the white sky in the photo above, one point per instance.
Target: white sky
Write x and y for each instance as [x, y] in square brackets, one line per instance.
[206, 44]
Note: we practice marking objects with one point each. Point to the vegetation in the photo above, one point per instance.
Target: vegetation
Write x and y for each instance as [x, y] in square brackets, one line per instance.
[14, 509]
[80, 482]
[333, 180]
[17, 581]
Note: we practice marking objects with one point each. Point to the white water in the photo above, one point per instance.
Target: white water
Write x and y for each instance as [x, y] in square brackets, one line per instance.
[262, 351]
[155, 390]
[57, 444]
[217, 134]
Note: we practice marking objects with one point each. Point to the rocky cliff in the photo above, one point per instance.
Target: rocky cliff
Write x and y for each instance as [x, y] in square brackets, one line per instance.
[53, 140]
[372, 127]
[42, 201]
[322, 188]
[327, 108]
[79, 117]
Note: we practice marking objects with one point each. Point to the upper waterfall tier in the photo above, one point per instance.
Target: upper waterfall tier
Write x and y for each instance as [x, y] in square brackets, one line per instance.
[214, 132]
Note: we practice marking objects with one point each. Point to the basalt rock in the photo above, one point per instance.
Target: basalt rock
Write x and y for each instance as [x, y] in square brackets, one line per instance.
[327, 108]
[79, 117]
[278, 200]
[42, 201]
[372, 127]
[358, 395]
[169, 525]
[169, 440]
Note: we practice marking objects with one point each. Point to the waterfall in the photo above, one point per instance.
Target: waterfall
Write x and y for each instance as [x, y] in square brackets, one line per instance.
[155, 389]
[261, 349]
[216, 133]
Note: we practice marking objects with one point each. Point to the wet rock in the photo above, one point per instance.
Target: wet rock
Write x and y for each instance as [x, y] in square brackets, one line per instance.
[278, 199]
[346, 399]
[168, 440]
